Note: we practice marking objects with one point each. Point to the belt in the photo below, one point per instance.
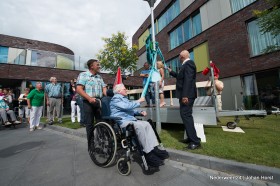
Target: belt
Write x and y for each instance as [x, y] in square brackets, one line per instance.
[55, 97]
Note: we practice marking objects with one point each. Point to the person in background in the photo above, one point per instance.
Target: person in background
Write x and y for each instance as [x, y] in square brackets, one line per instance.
[35, 101]
[150, 95]
[23, 107]
[1, 92]
[5, 110]
[54, 99]
[121, 107]
[12, 94]
[91, 87]
[186, 92]
[219, 87]
[160, 68]
[74, 106]
[7, 97]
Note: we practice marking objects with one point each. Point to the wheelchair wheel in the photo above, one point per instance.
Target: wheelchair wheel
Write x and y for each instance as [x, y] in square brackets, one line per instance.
[102, 145]
[231, 125]
[124, 167]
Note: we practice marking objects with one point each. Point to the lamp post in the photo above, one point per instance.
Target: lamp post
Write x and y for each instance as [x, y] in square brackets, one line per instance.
[158, 123]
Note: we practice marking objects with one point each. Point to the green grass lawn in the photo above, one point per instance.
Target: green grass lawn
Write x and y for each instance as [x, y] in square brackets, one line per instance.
[260, 144]
[66, 123]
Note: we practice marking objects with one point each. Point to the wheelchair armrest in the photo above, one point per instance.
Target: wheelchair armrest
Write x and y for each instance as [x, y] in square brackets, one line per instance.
[111, 118]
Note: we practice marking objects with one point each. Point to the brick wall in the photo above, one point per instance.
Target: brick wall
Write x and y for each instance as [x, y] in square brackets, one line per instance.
[22, 72]
[228, 41]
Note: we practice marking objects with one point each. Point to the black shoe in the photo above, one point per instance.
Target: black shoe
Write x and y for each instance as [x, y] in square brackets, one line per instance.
[153, 160]
[185, 141]
[193, 146]
[50, 122]
[162, 154]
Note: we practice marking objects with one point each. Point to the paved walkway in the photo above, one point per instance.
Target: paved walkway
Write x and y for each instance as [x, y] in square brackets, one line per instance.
[58, 156]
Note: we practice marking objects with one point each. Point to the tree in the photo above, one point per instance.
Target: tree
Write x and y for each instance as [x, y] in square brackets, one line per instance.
[269, 19]
[117, 53]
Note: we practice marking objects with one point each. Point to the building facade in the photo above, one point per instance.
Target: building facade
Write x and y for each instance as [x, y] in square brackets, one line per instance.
[23, 62]
[226, 32]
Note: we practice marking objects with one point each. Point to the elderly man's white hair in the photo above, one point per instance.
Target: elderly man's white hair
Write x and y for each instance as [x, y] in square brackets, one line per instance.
[117, 88]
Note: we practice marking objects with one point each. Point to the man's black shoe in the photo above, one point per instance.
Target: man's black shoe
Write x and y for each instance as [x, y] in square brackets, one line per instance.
[185, 141]
[193, 146]
[153, 160]
[162, 154]
[50, 122]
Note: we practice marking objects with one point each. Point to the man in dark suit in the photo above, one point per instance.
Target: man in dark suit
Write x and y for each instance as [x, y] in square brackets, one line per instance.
[186, 93]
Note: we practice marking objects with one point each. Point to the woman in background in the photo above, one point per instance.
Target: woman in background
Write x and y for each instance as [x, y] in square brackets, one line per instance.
[35, 101]
[23, 109]
[74, 106]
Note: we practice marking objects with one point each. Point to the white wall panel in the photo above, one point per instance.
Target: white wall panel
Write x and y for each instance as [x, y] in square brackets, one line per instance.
[213, 12]
[184, 4]
[225, 8]
[204, 17]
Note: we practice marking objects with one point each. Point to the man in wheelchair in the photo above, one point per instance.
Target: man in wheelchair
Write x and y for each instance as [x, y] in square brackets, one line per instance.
[123, 108]
[4, 111]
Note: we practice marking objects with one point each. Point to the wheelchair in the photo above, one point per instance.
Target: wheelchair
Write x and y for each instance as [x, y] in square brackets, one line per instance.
[9, 119]
[108, 140]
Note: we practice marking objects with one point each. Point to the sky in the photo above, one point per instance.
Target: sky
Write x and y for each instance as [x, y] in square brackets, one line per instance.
[78, 25]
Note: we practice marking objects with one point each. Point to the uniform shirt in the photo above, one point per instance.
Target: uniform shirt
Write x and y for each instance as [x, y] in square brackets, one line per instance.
[145, 78]
[93, 84]
[121, 107]
[53, 90]
[36, 98]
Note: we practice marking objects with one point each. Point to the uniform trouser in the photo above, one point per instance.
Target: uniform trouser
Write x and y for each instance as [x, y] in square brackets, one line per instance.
[4, 114]
[145, 134]
[35, 115]
[75, 108]
[54, 103]
[186, 115]
[92, 112]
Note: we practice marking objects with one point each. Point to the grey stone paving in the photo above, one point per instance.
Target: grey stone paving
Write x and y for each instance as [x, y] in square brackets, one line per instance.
[48, 157]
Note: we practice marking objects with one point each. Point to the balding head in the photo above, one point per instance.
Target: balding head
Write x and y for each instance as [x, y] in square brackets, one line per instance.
[184, 55]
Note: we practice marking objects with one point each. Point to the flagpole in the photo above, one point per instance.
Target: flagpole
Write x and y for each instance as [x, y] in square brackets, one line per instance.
[158, 122]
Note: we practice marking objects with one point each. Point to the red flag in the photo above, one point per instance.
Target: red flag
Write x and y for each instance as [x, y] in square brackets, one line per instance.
[118, 79]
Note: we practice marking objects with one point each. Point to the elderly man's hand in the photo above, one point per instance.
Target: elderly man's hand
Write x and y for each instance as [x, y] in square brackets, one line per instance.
[144, 113]
[142, 99]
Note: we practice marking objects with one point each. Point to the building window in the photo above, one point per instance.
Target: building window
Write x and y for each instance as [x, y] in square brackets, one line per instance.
[237, 5]
[43, 59]
[172, 12]
[259, 41]
[176, 37]
[196, 23]
[174, 64]
[4, 54]
[187, 30]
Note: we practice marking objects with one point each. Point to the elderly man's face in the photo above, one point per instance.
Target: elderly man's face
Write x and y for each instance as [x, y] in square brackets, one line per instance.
[123, 91]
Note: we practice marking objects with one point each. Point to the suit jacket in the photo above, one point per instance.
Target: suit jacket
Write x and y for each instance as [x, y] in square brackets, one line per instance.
[186, 80]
